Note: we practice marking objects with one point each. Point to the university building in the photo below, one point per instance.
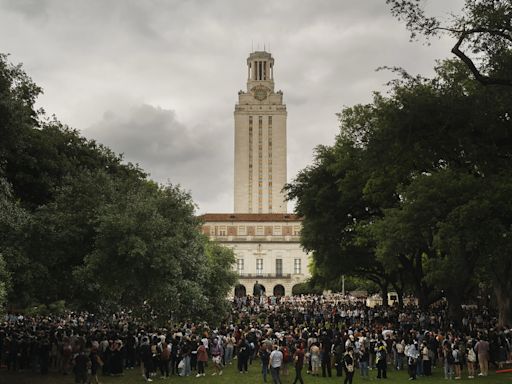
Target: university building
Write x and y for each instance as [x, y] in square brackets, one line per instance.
[264, 237]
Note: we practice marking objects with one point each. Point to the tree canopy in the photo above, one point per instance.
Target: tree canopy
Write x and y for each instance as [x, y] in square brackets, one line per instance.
[413, 191]
[78, 224]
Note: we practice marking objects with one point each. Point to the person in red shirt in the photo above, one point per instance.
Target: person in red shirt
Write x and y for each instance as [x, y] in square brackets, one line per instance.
[202, 358]
[298, 361]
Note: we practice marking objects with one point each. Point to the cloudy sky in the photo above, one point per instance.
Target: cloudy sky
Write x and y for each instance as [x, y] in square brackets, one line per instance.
[157, 80]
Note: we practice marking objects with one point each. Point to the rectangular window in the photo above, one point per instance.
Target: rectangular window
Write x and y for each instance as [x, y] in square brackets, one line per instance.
[240, 266]
[277, 230]
[259, 267]
[222, 231]
[242, 231]
[259, 230]
[296, 230]
[297, 266]
[279, 267]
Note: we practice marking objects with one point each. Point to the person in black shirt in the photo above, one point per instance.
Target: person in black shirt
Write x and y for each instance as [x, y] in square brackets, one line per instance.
[381, 360]
[265, 359]
[348, 362]
[325, 348]
[81, 364]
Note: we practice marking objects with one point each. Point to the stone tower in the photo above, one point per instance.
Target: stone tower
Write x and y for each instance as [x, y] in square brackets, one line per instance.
[260, 141]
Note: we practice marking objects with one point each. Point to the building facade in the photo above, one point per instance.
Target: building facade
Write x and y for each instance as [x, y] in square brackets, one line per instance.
[267, 249]
[263, 236]
[260, 141]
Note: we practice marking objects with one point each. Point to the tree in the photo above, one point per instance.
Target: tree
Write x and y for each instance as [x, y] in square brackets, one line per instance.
[484, 29]
[219, 281]
[330, 197]
[12, 219]
[424, 153]
[78, 227]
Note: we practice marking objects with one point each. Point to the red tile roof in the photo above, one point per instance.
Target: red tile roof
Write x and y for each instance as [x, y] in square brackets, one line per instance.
[260, 217]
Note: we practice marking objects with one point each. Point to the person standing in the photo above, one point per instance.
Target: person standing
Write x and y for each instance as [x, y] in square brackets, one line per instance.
[81, 365]
[381, 360]
[165, 358]
[339, 351]
[349, 362]
[471, 360]
[298, 360]
[265, 359]
[275, 362]
[448, 360]
[96, 363]
[412, 354]
[315, 359]
[399, 348]
[230, 346]
[326, 346]
[202, 358]
[364, 361]
[482, 351]
[116, 358]
[217, 353]
[457, 361]
[425, 359]
[244, 350]
[146, 358]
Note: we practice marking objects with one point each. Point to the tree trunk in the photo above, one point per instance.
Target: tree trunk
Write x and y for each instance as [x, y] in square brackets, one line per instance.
[455, 308]
[400, 293]
[384, 293]
[422, 295]
[504, 303]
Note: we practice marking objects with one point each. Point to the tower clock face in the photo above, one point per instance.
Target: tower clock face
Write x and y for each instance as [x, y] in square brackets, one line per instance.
[260, 93]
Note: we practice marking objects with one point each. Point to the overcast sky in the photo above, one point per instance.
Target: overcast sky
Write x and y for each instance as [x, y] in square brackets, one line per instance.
[157, 80]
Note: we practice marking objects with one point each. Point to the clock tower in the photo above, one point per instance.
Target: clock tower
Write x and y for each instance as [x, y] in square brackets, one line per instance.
[260, 140]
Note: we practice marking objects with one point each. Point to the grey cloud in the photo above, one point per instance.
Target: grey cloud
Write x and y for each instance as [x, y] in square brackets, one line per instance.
[104, 65]
[153, 137]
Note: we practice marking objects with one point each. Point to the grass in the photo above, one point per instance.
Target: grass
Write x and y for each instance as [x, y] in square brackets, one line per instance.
[232, 376]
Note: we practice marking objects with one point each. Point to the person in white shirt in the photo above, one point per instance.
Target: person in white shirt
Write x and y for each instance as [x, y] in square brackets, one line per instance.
[275, 362]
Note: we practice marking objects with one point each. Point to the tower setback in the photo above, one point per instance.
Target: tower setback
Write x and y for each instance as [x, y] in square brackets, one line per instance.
[260, 141]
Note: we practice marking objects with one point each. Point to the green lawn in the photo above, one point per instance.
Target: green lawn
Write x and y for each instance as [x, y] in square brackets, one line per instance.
[232, 376]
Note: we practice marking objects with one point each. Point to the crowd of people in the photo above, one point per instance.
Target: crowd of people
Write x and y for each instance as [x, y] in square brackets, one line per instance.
[324, 335]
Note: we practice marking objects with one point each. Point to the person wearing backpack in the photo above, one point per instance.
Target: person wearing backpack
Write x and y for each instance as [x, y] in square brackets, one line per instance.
[471, 360]
[244, 350]
[202, 359]
[412, 353]
[349, 365]
[381, 360]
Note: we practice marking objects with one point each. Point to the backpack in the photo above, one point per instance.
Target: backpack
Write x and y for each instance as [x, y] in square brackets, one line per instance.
[449, 358]
[286, 354]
